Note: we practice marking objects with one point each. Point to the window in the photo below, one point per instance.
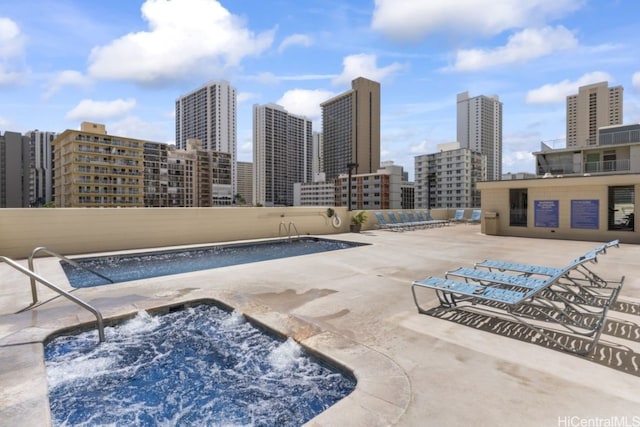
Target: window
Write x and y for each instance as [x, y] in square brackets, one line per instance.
[621, 208]
[518, 207]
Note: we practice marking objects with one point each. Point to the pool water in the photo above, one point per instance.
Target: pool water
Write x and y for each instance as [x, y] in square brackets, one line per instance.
[123, 268]
[197, 366]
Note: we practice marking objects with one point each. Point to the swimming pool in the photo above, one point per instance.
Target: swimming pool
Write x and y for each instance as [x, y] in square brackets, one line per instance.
[122, 268]
[200, 365]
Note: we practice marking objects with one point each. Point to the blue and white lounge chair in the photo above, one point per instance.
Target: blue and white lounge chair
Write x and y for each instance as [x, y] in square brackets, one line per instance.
[476, 216]
[428, 216]
[459, 216]
[385, 225]
[540, 303]
[395, 221]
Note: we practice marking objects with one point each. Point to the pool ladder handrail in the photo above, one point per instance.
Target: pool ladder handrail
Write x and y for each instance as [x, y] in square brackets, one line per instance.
[287, 228]
[34, 291]
[62, 292]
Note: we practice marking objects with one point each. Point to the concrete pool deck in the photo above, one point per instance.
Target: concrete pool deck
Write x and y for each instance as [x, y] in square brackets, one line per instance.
[354, 306]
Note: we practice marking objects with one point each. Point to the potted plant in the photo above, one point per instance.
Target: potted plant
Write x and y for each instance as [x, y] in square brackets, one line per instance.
[357, 220]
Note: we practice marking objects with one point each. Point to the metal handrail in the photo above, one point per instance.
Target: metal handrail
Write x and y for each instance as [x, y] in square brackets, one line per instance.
[295, 228]
[34, 292]
[65, 294]
[287, 229]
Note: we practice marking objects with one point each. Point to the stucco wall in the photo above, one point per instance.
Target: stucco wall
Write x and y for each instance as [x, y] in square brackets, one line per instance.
[74, 231]
[495, 198]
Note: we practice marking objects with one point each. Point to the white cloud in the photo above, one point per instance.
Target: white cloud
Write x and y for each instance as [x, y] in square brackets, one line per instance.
[295, 40]
[66, 78]
[305, 102]
[528, 44]
[88, 109]
[11, 50]
[246, 97]
[185, 37]
[363, 65]
[135, 127]
[11, 39]
[635, 80]
[558, 92]
[411, 19]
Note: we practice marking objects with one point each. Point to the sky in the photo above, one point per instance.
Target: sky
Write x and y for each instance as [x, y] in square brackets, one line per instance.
[124, 63]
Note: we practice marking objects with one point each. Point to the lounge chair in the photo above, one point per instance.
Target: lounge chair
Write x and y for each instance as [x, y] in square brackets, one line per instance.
[581, 274]
[383, 224]
[459, 216]
[398, 223]
[407, 222]
[420, 222]
[475, 217]
[441, 222]
[533, 301]
[430, 222]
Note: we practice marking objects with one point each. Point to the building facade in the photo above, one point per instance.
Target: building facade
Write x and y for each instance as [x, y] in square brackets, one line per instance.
[316, 193]
[383, 189]
[245, 183]
[15, 163]
[198, 177]
[41, 172]
[616, 151]
[479, 128]
[93, 169]
[594, 106]
[449, 177]
[156, 174]
[351, 130]
[209, 114]
[282, 154]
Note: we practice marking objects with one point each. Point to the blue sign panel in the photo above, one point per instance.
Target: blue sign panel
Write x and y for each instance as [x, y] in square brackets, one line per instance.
[585, 214]
[546, 213]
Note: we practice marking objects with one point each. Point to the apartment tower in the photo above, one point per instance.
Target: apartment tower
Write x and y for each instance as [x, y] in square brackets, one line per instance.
[351, 130]
[479, 128]
[209, 115]
[282, 153]
[93, 169]
[14, 170]
[594, 106]
[41, 172]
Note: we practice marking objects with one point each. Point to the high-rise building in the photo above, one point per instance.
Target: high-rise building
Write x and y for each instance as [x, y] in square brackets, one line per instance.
[351, 130]
[245, 183]
[282, 152]
[14, 170]
[479, 128]
[384, 189]
[448, 178]
[317, 165]
[156, 174]
[93, 169]
[594, 106]
[41, 173]
[209, 114]
[197, 177]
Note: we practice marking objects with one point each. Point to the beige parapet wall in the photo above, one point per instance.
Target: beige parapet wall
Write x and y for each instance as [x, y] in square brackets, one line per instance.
[88, 230]
[76, 231]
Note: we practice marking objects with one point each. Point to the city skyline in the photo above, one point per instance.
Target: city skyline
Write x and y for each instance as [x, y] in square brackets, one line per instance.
[79, 62]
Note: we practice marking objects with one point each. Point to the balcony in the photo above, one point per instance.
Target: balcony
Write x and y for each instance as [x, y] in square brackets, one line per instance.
[623, 165]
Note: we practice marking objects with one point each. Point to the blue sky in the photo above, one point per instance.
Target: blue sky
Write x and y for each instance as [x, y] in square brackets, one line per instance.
[124, 62]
